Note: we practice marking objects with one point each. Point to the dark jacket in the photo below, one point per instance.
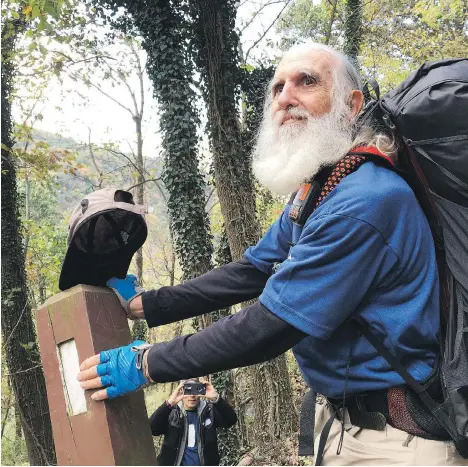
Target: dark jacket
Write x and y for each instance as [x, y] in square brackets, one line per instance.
[172, 423]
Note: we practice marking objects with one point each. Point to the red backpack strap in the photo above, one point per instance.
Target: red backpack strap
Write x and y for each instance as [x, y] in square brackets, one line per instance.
[371, 151]
[307, 199]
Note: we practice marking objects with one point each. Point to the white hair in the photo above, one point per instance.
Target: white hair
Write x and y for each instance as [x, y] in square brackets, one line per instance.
[348, 74]
[346, 78]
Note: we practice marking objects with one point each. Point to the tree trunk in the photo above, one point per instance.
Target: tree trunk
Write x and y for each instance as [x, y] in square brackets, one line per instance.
[329, 29]
[18, 427]
[6, 407]
[140, 189]
[353, 29]
[230, 440]
[232, 171]
[140, 328]
[270, 410]
[18, 332]
[232, 165]
[171, 73]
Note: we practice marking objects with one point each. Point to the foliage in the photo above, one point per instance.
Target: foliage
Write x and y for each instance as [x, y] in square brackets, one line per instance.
[14, 450]
[165, 33]
[35, 11]
[254, 85]
[228, 439]
[18, 332]
[216, 44]
[45, 234]
[353, 29]
[320, 21]
[140, 330]
[397, 36]
[36, 159]
[419, 31]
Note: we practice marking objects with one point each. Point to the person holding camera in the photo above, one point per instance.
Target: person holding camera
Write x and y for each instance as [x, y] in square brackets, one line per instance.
[188, 419]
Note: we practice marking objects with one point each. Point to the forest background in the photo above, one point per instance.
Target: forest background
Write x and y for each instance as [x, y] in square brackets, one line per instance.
[163, 98]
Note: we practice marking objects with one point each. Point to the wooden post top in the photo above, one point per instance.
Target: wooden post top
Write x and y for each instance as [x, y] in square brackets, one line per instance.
[77, 289]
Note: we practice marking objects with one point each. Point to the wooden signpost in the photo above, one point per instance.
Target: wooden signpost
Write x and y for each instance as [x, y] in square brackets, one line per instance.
[72, 326]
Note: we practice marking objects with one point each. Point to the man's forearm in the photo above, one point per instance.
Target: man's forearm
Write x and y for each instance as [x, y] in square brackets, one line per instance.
[250, 336]
[222, 287]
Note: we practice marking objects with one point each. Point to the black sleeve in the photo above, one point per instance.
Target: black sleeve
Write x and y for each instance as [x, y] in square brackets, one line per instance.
[252, 335]
[225, 416]
[219, 288]
[159, 420]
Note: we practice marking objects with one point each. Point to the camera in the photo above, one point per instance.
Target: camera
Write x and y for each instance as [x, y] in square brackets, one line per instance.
[193, 388]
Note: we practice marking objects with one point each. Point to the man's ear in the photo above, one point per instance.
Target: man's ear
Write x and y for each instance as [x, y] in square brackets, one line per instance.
[356, 102]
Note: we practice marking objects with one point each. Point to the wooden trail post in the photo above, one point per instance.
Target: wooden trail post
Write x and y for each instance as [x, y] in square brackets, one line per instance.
[72, 326]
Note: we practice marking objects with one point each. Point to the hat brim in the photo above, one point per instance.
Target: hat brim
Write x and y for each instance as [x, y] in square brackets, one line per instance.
[96, 269]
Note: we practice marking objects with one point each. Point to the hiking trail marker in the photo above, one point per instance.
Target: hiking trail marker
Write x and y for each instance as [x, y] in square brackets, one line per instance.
[72, 326]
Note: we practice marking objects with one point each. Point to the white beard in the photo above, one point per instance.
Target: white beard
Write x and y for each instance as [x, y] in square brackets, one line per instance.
[288, 155]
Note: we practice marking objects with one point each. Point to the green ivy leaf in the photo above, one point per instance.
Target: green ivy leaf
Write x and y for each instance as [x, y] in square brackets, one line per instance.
[35, 12]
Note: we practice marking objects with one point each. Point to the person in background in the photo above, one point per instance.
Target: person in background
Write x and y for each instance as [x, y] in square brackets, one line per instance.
[189, 425]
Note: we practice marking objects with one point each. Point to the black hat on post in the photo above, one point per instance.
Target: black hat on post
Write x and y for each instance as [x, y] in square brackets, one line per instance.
[104, 232]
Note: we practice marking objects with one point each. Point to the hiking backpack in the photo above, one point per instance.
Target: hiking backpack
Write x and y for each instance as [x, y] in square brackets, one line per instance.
[428, 115]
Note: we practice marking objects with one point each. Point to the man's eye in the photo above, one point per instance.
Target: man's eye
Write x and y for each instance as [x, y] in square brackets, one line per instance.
[309, 81]
[277, 89]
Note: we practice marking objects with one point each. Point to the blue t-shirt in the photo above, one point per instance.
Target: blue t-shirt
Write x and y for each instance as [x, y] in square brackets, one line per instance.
[367, 249]
[191, 448]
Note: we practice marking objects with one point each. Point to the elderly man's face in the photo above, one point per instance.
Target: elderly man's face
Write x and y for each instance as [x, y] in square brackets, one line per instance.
[303, 81]
[307, 122]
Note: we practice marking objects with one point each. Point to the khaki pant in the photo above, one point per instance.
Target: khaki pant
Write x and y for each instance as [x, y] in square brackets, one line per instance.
[388, 447]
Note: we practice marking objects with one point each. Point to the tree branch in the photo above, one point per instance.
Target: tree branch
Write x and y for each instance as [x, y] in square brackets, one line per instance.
[143, 182]
[161, 192]
[90, 83]
[331, 21]
[256, 13]
[7, 411]
[120, 153]
[209, 196]
[93, 159]
[266, 31]
[140, 78]
[124, 81]
[16, 325]
[23, 371]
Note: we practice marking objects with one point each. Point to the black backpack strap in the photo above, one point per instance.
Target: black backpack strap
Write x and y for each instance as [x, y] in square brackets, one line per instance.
[428, 401]
[369, 86]
[323, 438]
[307, 424]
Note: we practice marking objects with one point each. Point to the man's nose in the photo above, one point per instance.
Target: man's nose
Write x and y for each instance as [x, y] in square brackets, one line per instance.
[287, 97]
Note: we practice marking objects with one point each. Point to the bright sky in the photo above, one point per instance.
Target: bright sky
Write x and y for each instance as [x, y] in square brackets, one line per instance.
[109, 122]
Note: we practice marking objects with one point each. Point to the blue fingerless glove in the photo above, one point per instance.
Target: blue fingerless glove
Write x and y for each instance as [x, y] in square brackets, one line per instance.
[126, 290]
[121, 369]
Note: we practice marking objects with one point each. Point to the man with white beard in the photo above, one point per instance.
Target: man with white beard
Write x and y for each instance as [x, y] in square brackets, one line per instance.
[296, 140]
[365, 251]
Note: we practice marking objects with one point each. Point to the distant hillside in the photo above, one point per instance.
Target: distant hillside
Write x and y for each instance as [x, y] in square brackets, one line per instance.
[72, 188]
[55, 140]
